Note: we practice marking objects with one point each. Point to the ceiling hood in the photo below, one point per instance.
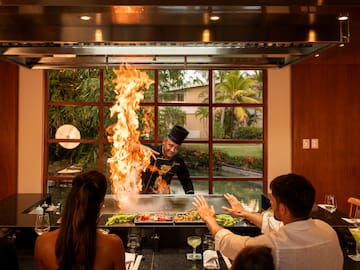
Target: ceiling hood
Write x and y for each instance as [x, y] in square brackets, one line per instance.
[251, 35]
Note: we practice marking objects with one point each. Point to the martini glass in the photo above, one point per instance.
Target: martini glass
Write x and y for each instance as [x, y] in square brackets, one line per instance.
[194, 242]
[356, 234]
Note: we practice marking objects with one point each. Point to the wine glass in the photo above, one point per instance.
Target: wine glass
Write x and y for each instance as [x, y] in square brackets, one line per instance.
[330, 203]
[194, 242]
[42, 223]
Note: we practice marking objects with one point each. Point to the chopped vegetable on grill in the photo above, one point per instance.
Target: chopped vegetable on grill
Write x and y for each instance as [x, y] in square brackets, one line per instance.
[226, 220]
[120, 218]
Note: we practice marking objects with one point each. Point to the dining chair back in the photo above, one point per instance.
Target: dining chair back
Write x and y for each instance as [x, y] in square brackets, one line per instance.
[354, 207]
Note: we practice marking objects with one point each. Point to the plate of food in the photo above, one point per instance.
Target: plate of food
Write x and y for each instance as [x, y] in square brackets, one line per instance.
[190, 216]
[154, 218]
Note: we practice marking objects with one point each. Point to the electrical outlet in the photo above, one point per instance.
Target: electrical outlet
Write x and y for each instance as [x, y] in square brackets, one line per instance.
[306, 144]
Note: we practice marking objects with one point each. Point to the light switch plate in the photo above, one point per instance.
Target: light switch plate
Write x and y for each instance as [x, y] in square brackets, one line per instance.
[306, 143]
[315, 143]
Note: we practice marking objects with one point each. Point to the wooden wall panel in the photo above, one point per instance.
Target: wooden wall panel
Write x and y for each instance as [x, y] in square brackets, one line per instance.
[326, 105]
[9, 74]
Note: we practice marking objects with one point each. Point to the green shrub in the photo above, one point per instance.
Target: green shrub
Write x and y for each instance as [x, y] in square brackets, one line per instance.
[249, 133]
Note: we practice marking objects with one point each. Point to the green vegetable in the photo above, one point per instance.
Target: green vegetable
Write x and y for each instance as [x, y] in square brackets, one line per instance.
[120, 218]
[226, 220]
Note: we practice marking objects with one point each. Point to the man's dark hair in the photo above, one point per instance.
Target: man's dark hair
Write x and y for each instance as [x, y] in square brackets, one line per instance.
[254, 258]
[296, 192]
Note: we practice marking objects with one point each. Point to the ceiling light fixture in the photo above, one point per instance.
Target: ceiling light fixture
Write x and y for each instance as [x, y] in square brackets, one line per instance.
[343, 17]
[85, 18]
[214, 17]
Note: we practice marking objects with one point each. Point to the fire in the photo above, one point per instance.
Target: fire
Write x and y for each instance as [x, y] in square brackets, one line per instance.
[128, 159]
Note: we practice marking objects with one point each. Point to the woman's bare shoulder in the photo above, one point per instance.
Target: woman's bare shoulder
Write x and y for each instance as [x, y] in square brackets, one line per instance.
[109, 239]
[48, 238]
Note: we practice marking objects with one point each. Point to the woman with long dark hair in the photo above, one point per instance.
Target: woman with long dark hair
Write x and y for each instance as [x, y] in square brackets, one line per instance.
[78, 245]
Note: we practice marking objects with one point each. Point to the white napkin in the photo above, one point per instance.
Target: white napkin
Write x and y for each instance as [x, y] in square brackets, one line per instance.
[352, 220]
[327, 208]
[129, 259]
[210, 259]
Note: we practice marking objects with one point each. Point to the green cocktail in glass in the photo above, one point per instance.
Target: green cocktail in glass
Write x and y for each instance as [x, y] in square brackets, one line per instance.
[356, 234]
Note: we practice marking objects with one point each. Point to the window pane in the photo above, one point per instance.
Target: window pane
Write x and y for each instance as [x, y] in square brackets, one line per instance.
[70, 162]
[194, 119]
[200, 187]
[109, 93]
[238, 160]
[238, 86]
[249, 192]
[74, 85]
[242, 123]
[187, 86]
[59, 190]
[84, 118]
[146, 117]
[196, 158]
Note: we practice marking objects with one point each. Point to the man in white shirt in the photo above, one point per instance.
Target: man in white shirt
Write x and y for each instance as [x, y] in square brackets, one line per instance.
[301, 243]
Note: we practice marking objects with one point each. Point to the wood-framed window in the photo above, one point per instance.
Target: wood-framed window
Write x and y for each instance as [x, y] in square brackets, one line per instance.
[224, 110]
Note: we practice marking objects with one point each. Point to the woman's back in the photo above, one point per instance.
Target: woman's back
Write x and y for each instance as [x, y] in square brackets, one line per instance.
[78, 244]
[110, 253]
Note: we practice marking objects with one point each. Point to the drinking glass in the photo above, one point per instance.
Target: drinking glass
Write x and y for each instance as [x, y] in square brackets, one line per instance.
[330, 203]
[194, 242]
[42, 223]
[356, 234]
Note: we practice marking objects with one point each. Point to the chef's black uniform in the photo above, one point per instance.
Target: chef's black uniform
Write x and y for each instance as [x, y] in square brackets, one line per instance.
[157, 177]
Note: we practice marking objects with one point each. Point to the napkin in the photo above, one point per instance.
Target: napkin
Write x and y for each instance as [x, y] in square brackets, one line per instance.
[210, 259]
[354, 258]
[327, 207]
[129, 259]
[352, 220]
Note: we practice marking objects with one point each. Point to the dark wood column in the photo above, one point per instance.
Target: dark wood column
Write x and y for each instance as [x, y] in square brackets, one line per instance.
[9, 77]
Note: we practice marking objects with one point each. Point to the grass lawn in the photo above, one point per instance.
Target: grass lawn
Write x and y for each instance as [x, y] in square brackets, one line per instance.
[252, 150]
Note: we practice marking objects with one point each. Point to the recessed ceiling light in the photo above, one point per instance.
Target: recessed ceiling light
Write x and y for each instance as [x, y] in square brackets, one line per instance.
[343, 17]
[85, 18]
[317, 55]
[214, 18]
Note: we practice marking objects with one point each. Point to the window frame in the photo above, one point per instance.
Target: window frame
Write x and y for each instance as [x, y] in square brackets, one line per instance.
[101, 140]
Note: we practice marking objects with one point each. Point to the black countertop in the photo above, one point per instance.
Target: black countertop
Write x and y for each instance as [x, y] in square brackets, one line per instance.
[14, 210]
[14, 215]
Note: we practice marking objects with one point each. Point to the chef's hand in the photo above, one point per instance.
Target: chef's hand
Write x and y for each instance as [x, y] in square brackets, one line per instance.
[206, 213]
[149, 149]
[236, 207]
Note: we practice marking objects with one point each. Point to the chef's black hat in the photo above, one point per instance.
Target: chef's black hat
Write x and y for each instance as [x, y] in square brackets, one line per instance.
[178, 134]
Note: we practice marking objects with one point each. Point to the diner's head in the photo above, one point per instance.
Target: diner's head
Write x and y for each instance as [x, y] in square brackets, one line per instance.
[171, 144]
[295, 192]
[254, 258]
[85, 198]
[76, 242]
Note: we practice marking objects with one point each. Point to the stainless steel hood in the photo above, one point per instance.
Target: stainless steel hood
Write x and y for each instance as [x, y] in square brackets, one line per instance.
[253, 34]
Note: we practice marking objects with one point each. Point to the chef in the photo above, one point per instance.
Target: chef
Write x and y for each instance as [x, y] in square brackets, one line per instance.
[157, 177]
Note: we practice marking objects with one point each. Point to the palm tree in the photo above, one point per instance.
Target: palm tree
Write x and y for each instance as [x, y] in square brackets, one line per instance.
[235, 87]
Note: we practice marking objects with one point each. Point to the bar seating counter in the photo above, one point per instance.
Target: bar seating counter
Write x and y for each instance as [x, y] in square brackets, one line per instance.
[170, 247]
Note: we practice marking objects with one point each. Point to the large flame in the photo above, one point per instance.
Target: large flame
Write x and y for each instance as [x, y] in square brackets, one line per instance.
[128, 158]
